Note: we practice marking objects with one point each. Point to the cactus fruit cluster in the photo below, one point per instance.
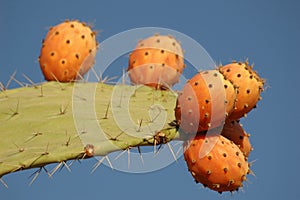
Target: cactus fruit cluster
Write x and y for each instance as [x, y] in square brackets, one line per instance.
[38, 122]
[157, 61]
[236, 84]
[225, 166]
[67, 51]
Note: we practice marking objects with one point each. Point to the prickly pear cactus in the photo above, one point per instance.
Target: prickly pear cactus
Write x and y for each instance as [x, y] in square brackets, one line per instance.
[56, 122]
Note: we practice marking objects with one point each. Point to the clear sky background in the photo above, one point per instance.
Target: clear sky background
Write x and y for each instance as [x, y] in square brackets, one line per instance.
[267, 32]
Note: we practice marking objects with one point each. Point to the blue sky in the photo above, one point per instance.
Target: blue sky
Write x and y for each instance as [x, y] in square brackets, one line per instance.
[266, 32]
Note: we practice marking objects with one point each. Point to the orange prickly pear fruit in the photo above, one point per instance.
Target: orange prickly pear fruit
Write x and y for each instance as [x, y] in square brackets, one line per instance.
[249, 85]
[235, 132]
[216, 162]
[68, 51]
[157, 61]
[205, 101]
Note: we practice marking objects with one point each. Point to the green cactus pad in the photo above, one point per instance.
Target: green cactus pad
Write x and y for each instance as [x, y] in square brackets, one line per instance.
[39, 125]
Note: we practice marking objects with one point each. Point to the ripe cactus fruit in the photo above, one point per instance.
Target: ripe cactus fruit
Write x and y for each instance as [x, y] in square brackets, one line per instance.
[235, 132]
[157, 61]
[249, 85]
[216, 162]
[68, 51]
[205, 101]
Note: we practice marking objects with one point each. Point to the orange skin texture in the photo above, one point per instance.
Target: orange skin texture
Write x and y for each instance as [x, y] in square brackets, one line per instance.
[205, 101]
[249, 85]
[230, 95]
[68, 51]
[235, 132]
[156, 61]
[221, 166]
